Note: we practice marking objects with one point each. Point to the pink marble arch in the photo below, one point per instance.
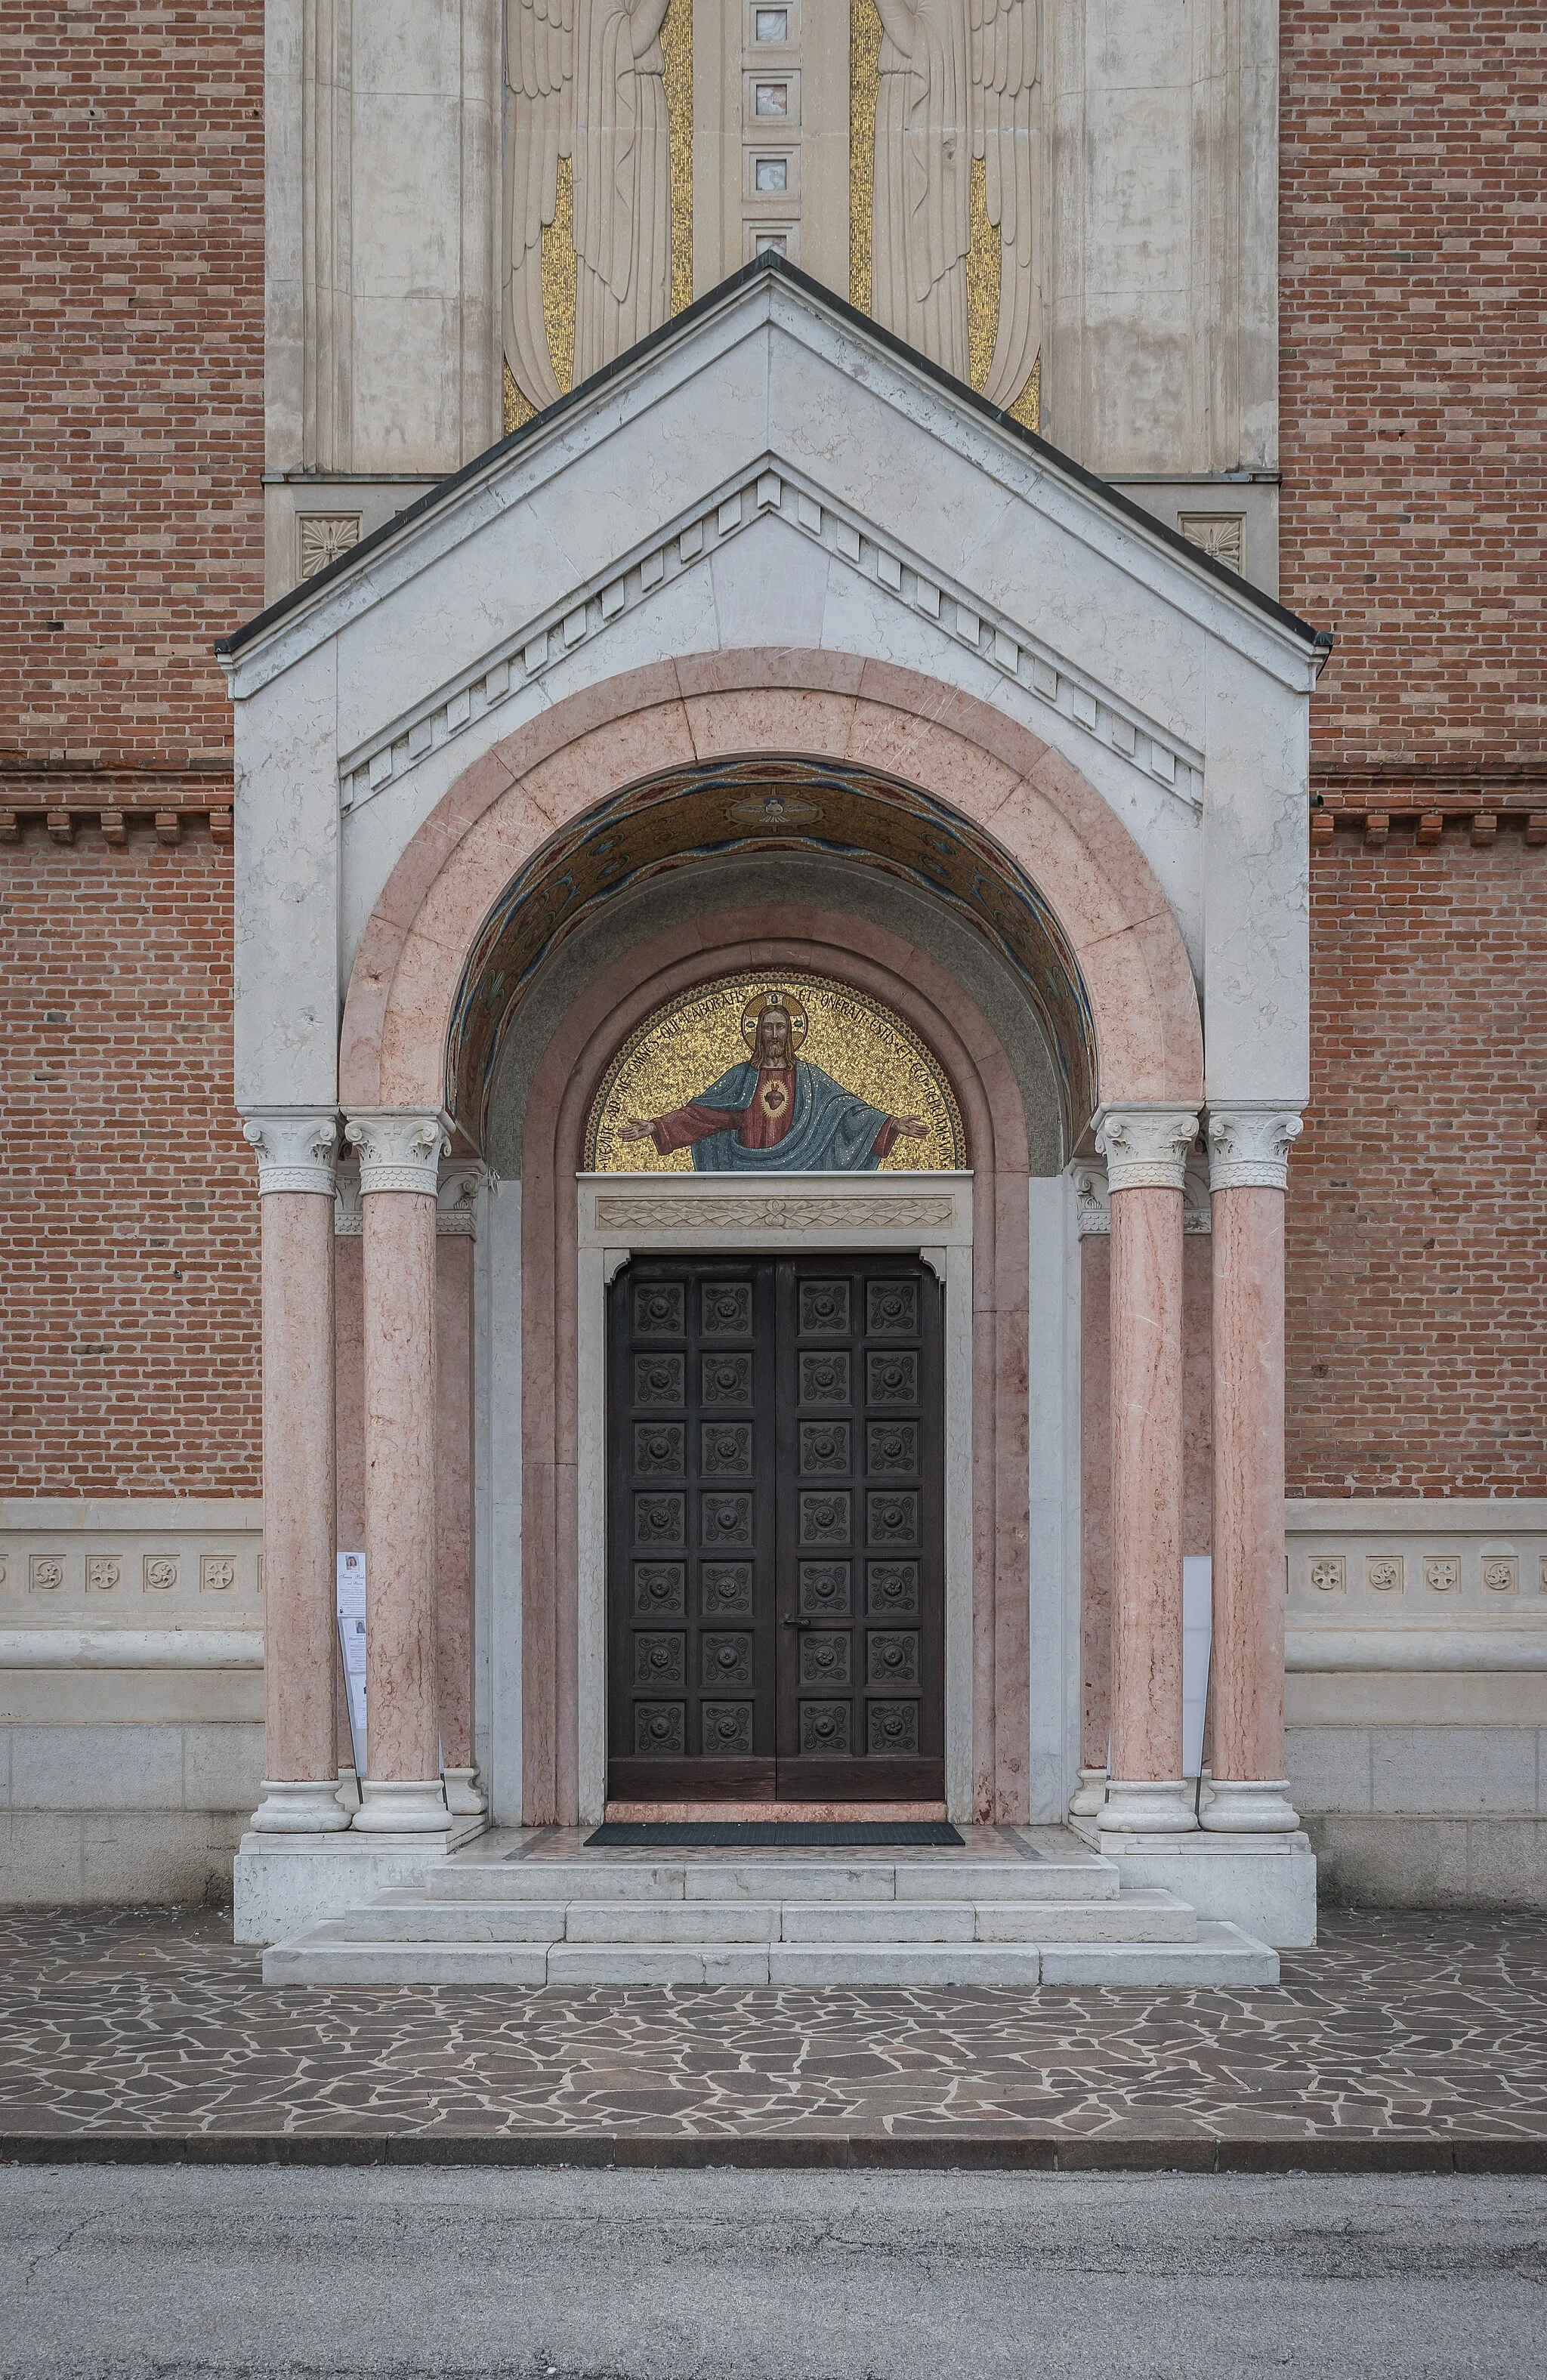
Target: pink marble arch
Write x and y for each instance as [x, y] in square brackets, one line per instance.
[822, 707]
[828, 707]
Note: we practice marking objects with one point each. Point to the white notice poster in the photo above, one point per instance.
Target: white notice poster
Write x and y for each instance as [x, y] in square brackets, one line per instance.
[1198, 1636]
[351, 1645]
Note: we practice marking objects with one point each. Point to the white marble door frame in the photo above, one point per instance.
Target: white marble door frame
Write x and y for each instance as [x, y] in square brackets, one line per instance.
[622, 1215]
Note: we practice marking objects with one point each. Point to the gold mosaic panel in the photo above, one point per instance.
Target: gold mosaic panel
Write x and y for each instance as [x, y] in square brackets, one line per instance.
[559, 270]
[864, 86]
[986, 270]
[676, 49]
[675, 1056]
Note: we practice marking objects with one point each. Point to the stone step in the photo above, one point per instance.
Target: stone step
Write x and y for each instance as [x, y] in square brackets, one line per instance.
[405, 1915]
[774, 1878]
[313, 1959]
[1221, 1955]
[1148, 1916]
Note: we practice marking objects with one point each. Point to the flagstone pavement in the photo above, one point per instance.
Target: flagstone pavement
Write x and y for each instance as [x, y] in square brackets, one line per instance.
[1404, 2038]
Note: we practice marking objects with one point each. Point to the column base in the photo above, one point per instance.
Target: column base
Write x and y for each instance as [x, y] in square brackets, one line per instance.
[462, 1796]
[299, 1806]
[1090, 1794]
[1249, 1807]
[1149, 1806]
[392, 1805]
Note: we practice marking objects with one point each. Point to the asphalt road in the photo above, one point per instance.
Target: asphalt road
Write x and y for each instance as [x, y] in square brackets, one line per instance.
[720, 2276]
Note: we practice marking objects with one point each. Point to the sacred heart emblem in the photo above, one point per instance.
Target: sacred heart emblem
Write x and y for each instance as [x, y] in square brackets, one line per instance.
[775, 1098]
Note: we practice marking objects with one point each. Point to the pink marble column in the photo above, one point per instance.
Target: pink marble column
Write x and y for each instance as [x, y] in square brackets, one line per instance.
[1249, 1164]
[399, 1153]
[295, 1183]
[454, 1517]
[1146, 1151]
[1095, 1490]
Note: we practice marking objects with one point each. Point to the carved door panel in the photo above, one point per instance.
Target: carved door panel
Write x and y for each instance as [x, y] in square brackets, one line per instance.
[691, 1518]
[775, 1555]
[861, 1534]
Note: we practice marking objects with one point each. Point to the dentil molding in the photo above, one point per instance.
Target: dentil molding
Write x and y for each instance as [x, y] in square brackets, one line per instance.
[400, 1148]
[1146, 1149]
[1008, 646]
[1249, 1148]
[295, 1148]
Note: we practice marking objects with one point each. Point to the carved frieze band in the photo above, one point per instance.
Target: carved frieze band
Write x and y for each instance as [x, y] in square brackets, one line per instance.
[1146, 1149]
[295, 1148]
[400, 1148]
[774, 1214]
[1249, 1148]
[1003, 643]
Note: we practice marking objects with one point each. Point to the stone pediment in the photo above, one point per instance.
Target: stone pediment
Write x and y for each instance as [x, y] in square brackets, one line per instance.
[772, 414]
[769, 474]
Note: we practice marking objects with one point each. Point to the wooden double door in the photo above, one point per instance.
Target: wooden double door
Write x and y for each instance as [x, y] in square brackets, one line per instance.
[776, 1546]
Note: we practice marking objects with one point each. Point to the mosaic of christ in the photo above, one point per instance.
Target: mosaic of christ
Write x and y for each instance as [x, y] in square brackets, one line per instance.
[670, 1099]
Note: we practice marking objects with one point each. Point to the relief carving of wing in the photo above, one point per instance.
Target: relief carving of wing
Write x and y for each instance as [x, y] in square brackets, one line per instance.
[1005, 35]
[540, 76]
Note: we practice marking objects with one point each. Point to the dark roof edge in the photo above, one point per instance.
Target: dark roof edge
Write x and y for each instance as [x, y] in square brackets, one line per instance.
[771, 266]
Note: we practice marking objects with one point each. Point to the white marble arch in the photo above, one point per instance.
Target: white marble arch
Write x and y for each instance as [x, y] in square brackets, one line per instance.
[620, 1215]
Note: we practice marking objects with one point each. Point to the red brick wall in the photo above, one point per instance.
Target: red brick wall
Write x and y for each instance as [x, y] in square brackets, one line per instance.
[1413, 342]
[131, 516]
[1414, 396]
[131, 438]
[1417, 1206]
[129, 1293]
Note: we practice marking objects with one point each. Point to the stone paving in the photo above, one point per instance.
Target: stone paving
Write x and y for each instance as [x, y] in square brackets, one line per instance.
[144, 2026]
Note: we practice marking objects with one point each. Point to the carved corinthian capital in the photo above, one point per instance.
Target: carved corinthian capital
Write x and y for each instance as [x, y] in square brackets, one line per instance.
[400, 1148]
[1249, 1148]
[1146, 1149]
[294, 1148]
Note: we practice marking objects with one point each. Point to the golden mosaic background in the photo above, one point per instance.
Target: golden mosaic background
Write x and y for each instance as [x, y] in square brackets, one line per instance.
[677, 1053]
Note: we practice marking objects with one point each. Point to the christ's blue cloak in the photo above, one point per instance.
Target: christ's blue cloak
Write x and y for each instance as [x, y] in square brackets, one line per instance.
[831, 1131]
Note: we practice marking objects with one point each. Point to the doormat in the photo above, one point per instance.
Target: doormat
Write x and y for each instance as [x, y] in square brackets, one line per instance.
[779, 1834]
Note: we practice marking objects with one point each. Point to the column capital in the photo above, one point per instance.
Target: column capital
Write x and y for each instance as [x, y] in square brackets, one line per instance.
[1092, 1214]
[400, 1148]
[1146, 1149]
[1248, 1147]
[296, 1147]
[457, 1196]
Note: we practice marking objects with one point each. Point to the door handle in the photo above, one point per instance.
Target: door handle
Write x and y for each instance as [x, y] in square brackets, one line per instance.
[789, 1622]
